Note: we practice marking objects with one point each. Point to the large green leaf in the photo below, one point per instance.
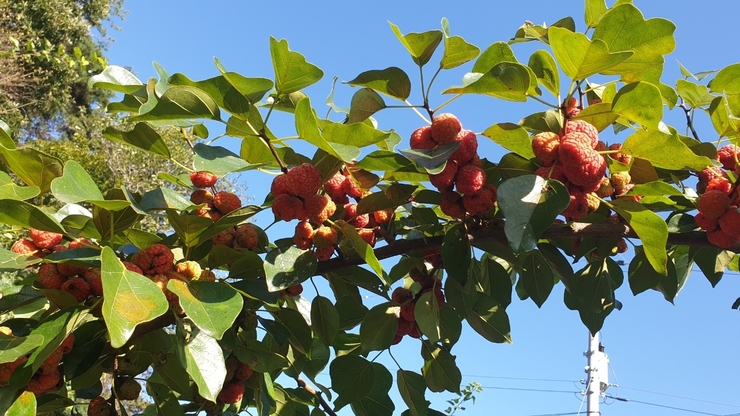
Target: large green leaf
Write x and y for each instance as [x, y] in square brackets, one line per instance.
[378, 327]
[623, 28]
[695, 95]
[142, 137]
[457, 50]
[289, 267]
[592, 292]
[212, 306]
[25, 215]
[182, 103]
[220, 89]
[188, 227]
[530, 205]
[489, 319]
[75, 185]
[365, 102]
[308, 128]
[537, 277]
[217, 159]
[412, 387]
[9, 190]
[599, 115]
[363, 249]
[129, 298]
[440, 369]
[427, 316]
[579, 57]
[391, 81]
[259, 357]
[12, 348]
[204, 361]
[664, 150]
[324, 319]
[396, 195]
[506, 80]
[165, 400]
[641, 103]
[649, 226]
[727, 80]
[35, 168]
[10, 261]
[546, 70]
[377, 402]
[252, 88]
[24, 405]
[421, 46]
[355, 134]
[116, 78]
[456, 253]
[595, 10]
[300, 332]
[512, 137]
[292, 72]
[352, 377]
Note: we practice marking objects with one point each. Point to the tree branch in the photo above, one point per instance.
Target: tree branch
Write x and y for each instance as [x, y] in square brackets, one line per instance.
[324, 405]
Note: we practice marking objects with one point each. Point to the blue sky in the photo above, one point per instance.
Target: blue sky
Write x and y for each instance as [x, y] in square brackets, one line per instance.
[684, 350]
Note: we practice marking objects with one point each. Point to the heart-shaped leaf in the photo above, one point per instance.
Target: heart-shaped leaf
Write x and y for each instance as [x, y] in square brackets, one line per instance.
[421, 46]
[289, 267]
[212, 306]
[292, 72]
[579, 57]
[391, 81]
[75, 185]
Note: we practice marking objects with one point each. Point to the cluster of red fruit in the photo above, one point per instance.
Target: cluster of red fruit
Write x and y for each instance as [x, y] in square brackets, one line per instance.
[407, 299]
[48, 377]
[296, 197]
[215, 205]
[237, 373]
[719, 201]
[462, 182]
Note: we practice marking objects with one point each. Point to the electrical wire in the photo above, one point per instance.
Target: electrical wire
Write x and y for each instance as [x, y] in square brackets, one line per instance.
[681, 397]
[520, 378]
[556, 414]
[588, 385]
[523, 389]
[698, 412]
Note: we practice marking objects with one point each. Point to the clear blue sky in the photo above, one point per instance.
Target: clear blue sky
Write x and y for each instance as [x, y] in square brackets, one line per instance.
[689, 349]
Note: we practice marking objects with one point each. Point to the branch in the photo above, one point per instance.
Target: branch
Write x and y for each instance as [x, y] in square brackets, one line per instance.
[689, 122]
[324, 405]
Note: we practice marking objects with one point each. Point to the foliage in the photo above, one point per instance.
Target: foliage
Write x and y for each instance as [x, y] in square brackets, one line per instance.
[215, 307]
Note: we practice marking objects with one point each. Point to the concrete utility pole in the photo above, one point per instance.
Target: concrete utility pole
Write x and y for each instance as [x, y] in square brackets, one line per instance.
[598, 374]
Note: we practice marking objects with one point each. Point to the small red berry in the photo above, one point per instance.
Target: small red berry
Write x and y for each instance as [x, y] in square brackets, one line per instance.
[203, 179]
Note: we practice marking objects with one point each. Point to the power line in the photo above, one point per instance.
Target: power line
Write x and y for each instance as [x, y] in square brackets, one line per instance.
[557, 414]
[523, 389]
[698, 412]
[520, 378]
[681, 397]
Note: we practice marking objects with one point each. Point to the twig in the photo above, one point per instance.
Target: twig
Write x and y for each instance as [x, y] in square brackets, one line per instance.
[689, 122]
[324, 405]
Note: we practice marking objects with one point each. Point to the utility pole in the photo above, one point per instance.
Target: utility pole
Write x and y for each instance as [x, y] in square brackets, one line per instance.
[597, 371]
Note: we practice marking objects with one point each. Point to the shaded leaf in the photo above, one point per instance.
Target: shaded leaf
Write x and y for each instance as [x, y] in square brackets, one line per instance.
[212, 306]
[391, 81]
[141, 137]
[288, 268]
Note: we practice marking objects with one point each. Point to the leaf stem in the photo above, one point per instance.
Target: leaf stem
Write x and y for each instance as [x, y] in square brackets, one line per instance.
[429, 87]
[447, 102]
[423, 96]
[394, 359]
[543, 102]
[689, 119]
[324, 405]
[413, 107]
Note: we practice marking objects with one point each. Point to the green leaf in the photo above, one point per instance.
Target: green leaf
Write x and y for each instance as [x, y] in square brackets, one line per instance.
[412, 387]
[394, 196]
[440, 370]
[364, 104]
[456, 253]
[116, 78]
[641, 103]
[6, 140]
[549, 120]
[129, 298]
[352, 377]
[10, 261]
[649, 226]
[391, 81]
[288, 268]
[252, 88]
[363, 249]
[324, 319]
[75, 185]
[663, 150]
[141, 137]
[712, 262]
[595, 10]
[530, 205]
[592, 292]
[378, 327]
[377, 402]
[695, 95]
[218, 160]
[579, 57]
[427, 316]
[383, 160]
[9, 190]
[182, 103]
[623, 28]
[308, 129]
[35, 168]
[421, 46]
[300, 332]
[204, 361]
[188, 227]
[25, 215]
[537, 277]
[354, 135]
[24, 405]
[165, 400]
[512, 137]
[727, 80]
[489, 319]
[600, 115]
[292, 72]
[433, 160]
[221, 91]
[12, 348]
[212, 306]
[259, 358]
[506, 80]
[722, 118]
[546, 70]
[456, 50]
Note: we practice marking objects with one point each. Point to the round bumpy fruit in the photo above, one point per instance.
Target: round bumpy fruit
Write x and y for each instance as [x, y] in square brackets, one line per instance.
[287, 208]
[325, 237]
[203, 179]
[99, 407]
[445, 128]
[127, 389]
[319, 208]
[304, 180]
[45, 239]
[713, 204]
[470, 179]
[580, 126]
[421, 138]
[445, 180]
[468, 147]
[452, 204]
[155, 259]
[292, 290]
[728, 156]
[729, 222]
[480, 202]
[226, 202]
[545, 147]
[77, 287]
[49, 277]
[231, 392]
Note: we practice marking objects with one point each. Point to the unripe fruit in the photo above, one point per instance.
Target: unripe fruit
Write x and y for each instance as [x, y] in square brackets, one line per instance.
[319, 208]
[190, 270]
[127, 389]
[325, 237]
[201, 196]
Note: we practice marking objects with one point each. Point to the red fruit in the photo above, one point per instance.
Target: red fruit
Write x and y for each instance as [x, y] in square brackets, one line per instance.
[383, 216]
[67, 344]
[304, 230]
[578, 207]
[452, 204]
[24, 246]
[545, 147]
[713, 204]
[407, 311]
[554, 172]
[445, 128]
[470, 179]
[722, 240]
[421, 138]
[397, 338]
[132, 267]
[360, 221]
[325, 237]
[439, 296]
[622, 246]
[231, 392]
[226, 202]
[203, 179]
[434, 257]
[280, 186]
[243, 371]
[77, 287]
[99, 407]
[600, 146]
[7, 369]
[719, 184]
[324, 254]
[247, 236]
[349, 186]
[727, 155]
[582, 165]
[43, 383]
[334, 187]
[319, 208]
[468, 147]
[620, 157]
[155, 259]
[707, 224]
[201, 196]
[96, 283]
[480, 202]
[304, 180]
[161, 281]
[287, 207]
[581, 126]
[292, 290]
[729, 222]
[571, 108]
[44, 239]
[224, 238]
[368, 235]
[415, 332]
[445, 180]
[69, 270]
[404, 327]
[401, 295]
[49, 276]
